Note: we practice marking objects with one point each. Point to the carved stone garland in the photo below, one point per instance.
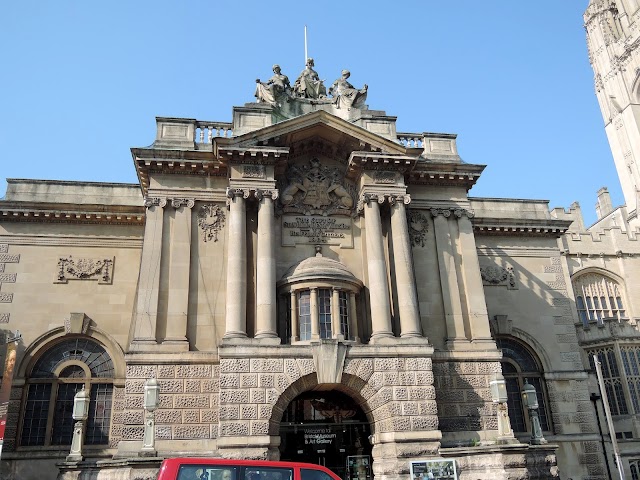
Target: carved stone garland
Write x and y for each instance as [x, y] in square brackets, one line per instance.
[496, 275]
[418, 227]
[100, 269]
[211, 220]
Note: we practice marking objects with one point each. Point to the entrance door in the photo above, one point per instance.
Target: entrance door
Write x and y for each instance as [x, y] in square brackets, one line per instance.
[324, 428]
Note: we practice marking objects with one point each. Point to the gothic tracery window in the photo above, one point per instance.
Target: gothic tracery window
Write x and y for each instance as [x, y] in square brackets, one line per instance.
[520, 364]
[598, 298]
[54, 380]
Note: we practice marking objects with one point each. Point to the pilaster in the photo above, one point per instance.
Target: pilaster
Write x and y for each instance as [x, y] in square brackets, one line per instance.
[146, 312]
[179, 268]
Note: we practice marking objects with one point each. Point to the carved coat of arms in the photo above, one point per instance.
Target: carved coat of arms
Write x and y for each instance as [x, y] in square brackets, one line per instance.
[316, 189]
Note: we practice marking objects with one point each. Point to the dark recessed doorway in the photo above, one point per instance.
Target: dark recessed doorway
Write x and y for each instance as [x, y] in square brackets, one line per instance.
[327, 428]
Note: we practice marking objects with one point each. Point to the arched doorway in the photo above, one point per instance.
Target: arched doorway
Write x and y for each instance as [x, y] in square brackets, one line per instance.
[327, 428]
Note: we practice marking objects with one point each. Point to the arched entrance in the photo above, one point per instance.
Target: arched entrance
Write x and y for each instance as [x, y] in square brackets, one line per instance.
[327, 428]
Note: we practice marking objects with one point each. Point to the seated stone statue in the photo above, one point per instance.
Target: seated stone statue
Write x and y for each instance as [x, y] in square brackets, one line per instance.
[273, 90]
[346, 95]
[308, 84]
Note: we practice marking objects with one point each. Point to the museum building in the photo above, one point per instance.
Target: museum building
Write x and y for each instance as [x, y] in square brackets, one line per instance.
[306, 283]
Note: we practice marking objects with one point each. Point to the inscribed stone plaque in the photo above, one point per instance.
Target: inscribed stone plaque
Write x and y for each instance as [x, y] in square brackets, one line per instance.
[310, 229]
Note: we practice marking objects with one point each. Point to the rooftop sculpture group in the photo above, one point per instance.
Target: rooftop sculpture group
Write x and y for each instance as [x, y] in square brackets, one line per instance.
[309, 87]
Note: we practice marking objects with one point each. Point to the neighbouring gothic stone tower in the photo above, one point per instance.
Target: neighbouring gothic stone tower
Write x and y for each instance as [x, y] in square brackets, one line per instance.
[613, 38]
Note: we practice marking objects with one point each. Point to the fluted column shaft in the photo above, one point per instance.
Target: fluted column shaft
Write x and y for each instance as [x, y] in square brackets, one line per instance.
[146, 313]
[377, 269]
[236, 311]
[179, 266]
[448, 277]
[266, 270]
[404, 275]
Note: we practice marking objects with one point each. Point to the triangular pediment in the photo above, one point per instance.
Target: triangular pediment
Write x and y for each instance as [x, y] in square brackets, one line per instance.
[320, 127]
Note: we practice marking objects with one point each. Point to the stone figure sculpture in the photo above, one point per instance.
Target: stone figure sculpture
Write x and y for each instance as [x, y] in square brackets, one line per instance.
[273, 89]
[346, 95]
[308, 84]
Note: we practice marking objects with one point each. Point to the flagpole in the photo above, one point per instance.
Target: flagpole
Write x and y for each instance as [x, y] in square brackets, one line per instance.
[305, 45]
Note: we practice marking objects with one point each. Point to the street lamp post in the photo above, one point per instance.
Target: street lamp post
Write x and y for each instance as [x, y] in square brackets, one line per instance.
[500, 397]
[151, 403]
[531, 401]
[80, 415]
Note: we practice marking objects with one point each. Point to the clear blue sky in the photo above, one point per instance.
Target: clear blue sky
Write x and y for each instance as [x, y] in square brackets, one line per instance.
[82, 81]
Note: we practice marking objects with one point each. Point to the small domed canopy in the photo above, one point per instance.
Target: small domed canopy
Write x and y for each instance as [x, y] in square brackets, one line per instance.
[319, 270]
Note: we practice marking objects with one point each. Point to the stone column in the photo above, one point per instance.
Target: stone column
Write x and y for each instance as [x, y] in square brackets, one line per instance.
[146, 310]
[315, 316]
[295, 334]
[377, 269]
[335, 313]
[266, 267]
[474, 291]
[179, 267]
[403, 262]
[353, 317]
[448, 276]
[236, 311]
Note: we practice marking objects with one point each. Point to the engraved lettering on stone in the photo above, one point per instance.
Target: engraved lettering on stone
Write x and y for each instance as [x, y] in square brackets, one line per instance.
[316, 189]
[384, 177]
[4, 247]
[85, 269]
[316, 230]
[210, 220]
[253, 171]
[4, 318]
[418, 226]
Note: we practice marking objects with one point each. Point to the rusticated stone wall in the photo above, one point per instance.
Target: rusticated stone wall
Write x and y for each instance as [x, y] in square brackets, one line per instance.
[188, 402]
[464, 396]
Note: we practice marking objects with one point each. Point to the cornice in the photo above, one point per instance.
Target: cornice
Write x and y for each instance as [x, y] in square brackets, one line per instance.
[73, 241]
[182, 162]
[520, 227]
[76, 214]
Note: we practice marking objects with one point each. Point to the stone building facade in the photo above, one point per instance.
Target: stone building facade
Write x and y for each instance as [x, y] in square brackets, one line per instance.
[307, 283]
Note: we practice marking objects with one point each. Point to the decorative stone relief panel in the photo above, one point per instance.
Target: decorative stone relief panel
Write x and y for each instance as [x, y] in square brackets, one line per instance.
[418, 227]
[496, 275]
[385, 177]
[211, 220]
[100, 269]
[253, 171]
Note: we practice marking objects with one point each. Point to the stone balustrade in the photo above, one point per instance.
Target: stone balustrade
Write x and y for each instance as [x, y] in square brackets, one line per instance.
[411, 140]
[205, 131]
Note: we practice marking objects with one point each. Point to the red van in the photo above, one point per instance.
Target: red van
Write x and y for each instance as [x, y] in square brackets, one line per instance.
[221, 469]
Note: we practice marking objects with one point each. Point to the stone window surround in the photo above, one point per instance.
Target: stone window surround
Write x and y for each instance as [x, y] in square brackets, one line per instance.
[294, 289]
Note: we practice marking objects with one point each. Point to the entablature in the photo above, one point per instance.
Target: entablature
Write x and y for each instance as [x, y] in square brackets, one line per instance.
[59, 213]
[520, 227]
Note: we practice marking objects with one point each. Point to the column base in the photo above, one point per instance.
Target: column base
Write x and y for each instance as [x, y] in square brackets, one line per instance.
[177, 344]
[237, 334]
[382, 338]
[143, 344]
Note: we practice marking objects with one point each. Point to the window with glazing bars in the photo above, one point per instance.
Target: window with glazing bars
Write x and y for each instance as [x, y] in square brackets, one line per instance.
[597, 298]
[324, 312]
[613, 381]
[304, 315]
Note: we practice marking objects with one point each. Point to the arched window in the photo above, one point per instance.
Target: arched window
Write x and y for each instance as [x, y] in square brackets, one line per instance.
[520, 364]
[598, 298]
[54, 380]
[319, 295]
